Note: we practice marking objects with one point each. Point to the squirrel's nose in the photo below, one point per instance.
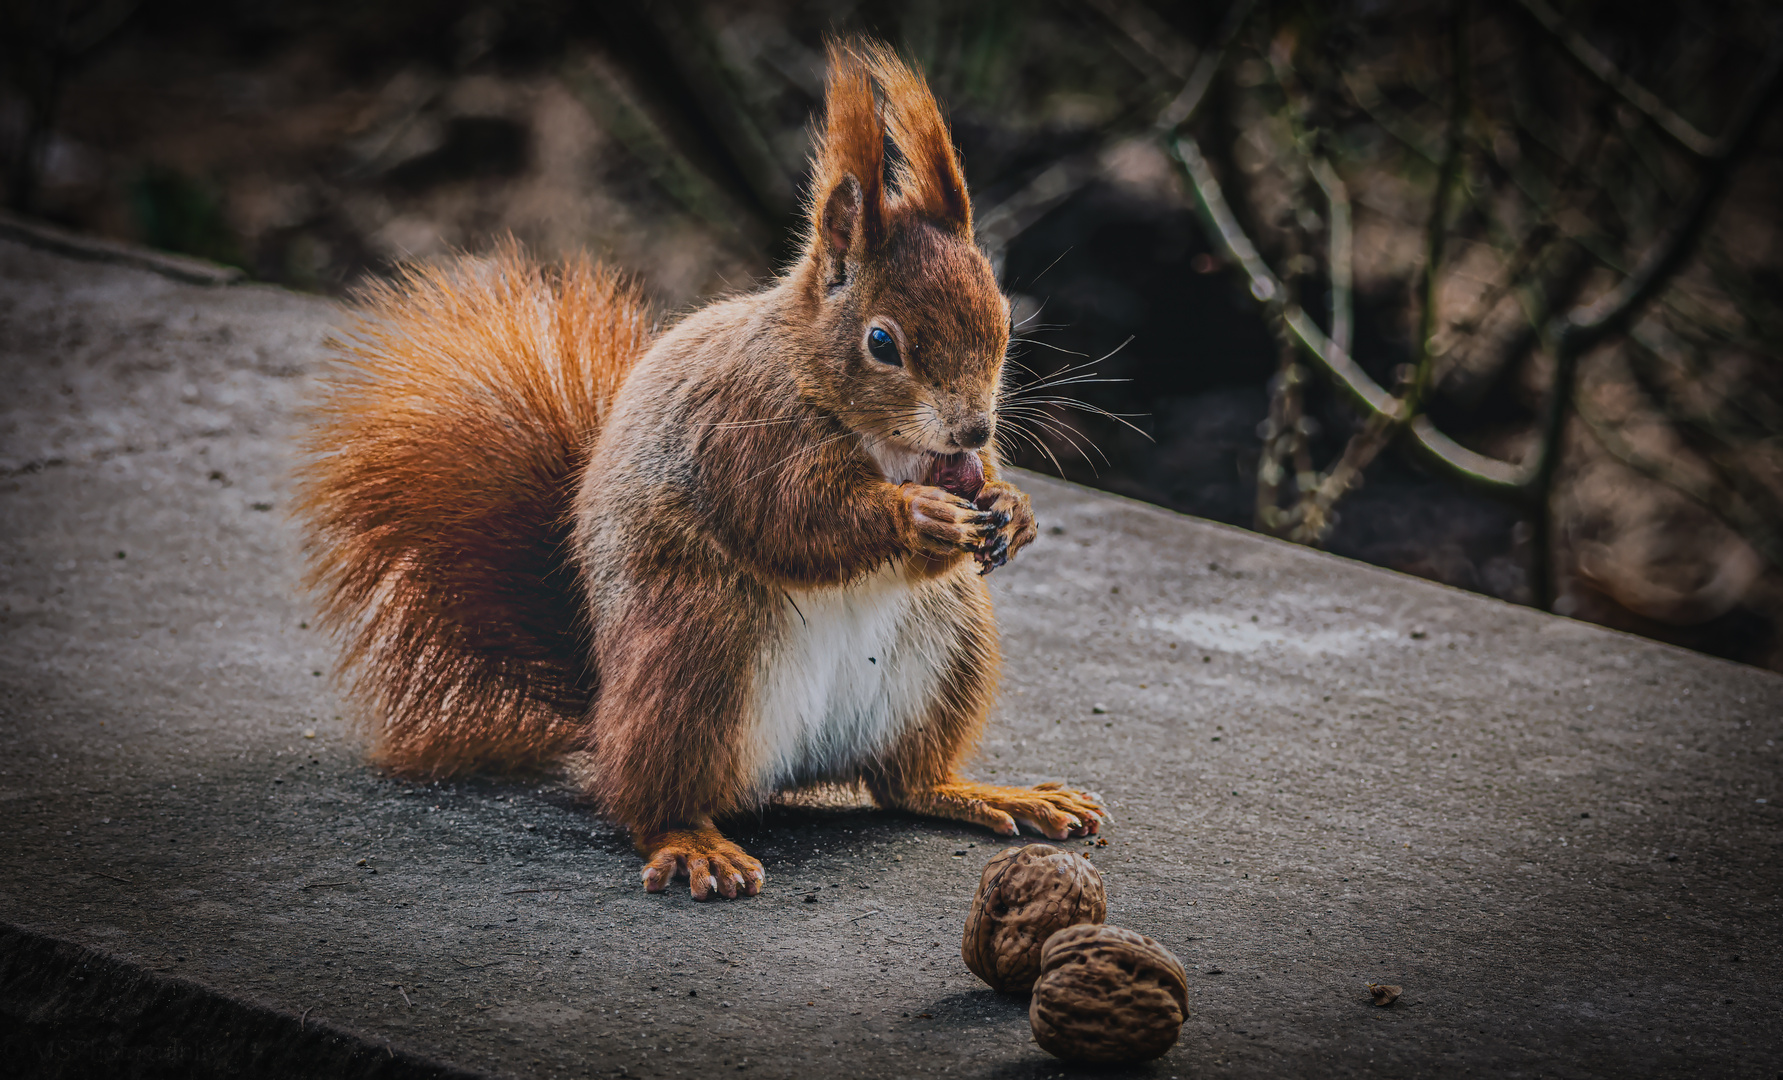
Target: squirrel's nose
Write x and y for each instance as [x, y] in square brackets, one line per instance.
[974, 432]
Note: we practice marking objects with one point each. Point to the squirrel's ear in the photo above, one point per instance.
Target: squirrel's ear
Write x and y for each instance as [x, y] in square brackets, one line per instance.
[848, 178]
[841, 217]
[929, 178]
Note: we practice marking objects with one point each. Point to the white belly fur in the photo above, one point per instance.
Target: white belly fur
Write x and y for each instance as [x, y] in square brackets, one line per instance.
[851, 668]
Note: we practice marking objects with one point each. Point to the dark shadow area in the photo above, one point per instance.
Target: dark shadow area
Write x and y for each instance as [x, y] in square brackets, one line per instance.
[68, 1011]
[473, 147]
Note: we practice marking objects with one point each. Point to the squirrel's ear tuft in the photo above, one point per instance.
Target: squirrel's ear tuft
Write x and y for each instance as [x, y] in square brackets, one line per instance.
[929, 178]
[848, 182]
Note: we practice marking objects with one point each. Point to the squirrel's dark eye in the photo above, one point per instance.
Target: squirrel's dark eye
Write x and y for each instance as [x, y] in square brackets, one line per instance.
[882, 348]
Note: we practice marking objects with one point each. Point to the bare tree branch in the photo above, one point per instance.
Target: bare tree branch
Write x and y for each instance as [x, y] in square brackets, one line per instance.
[1474, 469]
[1282, 437]
[1609, 314]
[1311, 519]
[1586, 54]
[1001, 224]
[1180, 109]
[1342, 258]
[1437, 230]
[1569, 335]
[1572, 334]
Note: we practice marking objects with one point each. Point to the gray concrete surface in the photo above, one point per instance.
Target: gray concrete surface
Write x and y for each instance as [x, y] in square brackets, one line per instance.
[1556, 838]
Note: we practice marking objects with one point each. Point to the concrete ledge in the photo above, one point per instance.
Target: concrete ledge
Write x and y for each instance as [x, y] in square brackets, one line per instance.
[1563, 842]
[71, 1011]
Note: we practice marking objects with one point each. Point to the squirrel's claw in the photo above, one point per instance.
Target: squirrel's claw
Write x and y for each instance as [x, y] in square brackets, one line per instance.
[712, 865]
[992, 529]
[1051, 809]
[1011, 524]
[944, 524]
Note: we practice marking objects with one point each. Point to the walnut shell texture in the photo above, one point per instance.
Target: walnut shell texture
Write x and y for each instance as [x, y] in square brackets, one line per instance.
[1025, 895]
[1106, 994]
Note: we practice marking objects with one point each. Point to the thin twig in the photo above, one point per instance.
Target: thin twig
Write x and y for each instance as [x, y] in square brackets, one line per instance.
[1342, 256]
[1266, 288]
[114, 877]
[1742, 500]
[1183, 106]
[1159, 50]
[611, 100]
[1436, 231]
[1366, 95]
[1281, 438]
[325, 884]
[1315, 517]
[858, 918]
[1537, 302]
[1586, 54]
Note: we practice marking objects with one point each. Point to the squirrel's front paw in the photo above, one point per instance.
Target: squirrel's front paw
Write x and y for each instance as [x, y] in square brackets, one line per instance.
[712, 865]
[1012, 520]
[945, 524]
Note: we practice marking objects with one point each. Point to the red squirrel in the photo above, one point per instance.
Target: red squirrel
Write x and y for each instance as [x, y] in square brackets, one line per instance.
[735, 557]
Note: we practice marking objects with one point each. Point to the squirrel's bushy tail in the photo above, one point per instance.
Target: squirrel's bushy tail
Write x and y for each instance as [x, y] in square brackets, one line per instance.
[436, 496]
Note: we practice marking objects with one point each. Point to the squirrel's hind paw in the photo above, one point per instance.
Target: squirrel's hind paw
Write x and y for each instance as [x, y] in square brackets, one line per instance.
[1052, 810]
[712, 865]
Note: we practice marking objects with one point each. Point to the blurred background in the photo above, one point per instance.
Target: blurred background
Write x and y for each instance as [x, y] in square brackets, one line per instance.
[1430, 185]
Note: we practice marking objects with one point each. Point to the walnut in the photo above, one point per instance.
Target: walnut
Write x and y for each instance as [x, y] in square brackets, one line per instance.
[1107, 994]
[1026, 894]
[960, 474]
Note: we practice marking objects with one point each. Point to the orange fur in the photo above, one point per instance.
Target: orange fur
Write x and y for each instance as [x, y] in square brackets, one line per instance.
[851, 147]
[929, 179]
[435, 492]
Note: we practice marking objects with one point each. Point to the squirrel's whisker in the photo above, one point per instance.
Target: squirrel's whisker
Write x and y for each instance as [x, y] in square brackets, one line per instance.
[1037, 313]
[1063, 376]
[1075, 380]
[1046, 345]
[801, 452]
[1070, 435]
[1016, 429]
[1124, 419]
[753, 423]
